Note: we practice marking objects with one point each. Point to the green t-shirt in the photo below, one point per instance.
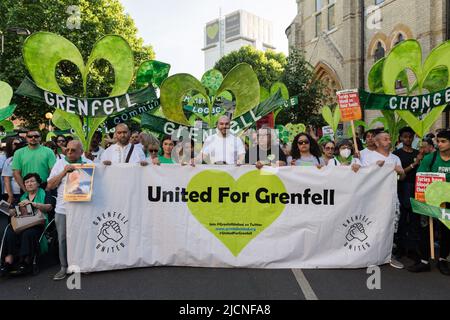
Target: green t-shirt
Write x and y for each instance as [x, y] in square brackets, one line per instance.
[162, 159]
[40, 161]
[439, 165]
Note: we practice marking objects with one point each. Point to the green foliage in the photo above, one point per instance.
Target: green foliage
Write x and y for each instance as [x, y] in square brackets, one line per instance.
[300, 80]
[268, 66]
[98, 18]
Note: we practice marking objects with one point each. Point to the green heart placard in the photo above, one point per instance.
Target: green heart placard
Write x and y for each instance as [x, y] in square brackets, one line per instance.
[212, 31]
[235, 224]
[408, 55]
[436, 194]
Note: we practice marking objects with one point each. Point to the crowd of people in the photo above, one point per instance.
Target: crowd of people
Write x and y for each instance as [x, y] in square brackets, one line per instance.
[35, 173]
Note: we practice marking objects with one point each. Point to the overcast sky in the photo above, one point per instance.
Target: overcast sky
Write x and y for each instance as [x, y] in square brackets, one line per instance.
[175, 27]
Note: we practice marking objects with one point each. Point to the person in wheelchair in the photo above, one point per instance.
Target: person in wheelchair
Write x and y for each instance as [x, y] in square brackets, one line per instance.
[19, 249]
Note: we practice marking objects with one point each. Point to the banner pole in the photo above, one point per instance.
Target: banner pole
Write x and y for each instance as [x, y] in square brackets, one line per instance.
[354, 137]
[431, 238]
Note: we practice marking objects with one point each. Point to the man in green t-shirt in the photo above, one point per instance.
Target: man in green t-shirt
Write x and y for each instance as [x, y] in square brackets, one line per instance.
[439, 162]
[33, 159]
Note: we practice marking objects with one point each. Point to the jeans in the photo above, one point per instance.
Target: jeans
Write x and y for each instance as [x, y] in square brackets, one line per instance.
[60, 220]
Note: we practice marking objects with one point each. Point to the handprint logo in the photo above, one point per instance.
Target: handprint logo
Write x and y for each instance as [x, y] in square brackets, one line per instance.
[356, 231]
[110, 230]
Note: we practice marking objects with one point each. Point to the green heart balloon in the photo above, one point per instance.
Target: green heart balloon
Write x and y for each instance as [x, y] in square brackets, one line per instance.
[212, 79]
[42, 52]
[408, 55]
[152, 72]
[217, 216]
[436, 194]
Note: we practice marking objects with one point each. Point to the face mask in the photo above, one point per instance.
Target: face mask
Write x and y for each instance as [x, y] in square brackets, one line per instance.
[345, 153]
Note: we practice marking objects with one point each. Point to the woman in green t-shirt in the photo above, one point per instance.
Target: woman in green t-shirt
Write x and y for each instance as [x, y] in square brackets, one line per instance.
[167, 145]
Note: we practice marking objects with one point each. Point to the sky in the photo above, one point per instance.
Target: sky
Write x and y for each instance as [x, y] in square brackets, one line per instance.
[175, 27]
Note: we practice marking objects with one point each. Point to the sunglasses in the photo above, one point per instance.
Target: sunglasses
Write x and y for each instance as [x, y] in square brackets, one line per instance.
[36, 136]
[153, 151]
[302, 142]
[61, 140]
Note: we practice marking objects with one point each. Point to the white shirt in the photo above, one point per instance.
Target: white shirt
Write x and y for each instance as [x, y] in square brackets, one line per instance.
[226, 149]
[57, 169]
[375, 156]
[364, 153]
[7, 172]
[118, 154]
[335, 162]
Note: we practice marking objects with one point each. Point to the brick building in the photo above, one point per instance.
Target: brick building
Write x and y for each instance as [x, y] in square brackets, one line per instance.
[343, 38]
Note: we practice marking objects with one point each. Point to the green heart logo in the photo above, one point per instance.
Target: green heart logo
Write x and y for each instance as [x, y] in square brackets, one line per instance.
[227, 219]
[241, 82]
[436, 194]
[332, 118]
[212, 31]
[42, 52]
[408, 55]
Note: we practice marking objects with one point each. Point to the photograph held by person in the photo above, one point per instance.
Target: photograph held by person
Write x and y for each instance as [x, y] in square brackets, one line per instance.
[306, 152]
[409, 223]
[438, 161]
[266, 152]
[222, 147]
[33, 159]
[123, 151]
[57, 180]
[24, 246]
[345, 156]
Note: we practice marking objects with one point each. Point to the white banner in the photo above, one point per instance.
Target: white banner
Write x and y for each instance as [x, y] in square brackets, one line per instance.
[226, 216]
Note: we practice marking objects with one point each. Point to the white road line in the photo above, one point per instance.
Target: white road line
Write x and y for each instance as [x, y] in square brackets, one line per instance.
[308, 292]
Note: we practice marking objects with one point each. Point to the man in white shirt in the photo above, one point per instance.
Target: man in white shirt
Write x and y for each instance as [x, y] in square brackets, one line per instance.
[382, 155]
[57, 179]
[223, 147]
[369, 137]
[123, 150]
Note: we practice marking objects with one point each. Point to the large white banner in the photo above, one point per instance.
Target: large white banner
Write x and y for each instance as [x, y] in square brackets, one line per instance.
[226, 216]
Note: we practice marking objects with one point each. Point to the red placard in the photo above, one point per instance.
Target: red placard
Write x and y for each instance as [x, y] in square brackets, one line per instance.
[423, 180]
[350, 105]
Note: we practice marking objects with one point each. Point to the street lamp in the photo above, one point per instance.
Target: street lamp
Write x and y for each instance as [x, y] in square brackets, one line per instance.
[49, 116]
[17, 31]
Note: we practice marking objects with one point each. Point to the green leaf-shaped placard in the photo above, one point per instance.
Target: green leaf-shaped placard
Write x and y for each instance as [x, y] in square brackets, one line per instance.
[7, 125]
[264, 94]
[280, 86]
[6, 94]
[43, 51]
[243, 83]
[331, 118]
[152, 72]
[212, 79]
[408, 55]
[173, 91]
[59, 120]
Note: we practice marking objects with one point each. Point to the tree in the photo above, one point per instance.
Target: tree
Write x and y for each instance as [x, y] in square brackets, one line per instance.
[300, 80]
[268, 65]
[98, 18]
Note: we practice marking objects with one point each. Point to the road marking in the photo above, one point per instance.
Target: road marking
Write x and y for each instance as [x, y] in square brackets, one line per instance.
[307, 290]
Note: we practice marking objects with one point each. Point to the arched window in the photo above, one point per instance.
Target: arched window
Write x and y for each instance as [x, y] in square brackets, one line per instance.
[400, 38]
[379, 52]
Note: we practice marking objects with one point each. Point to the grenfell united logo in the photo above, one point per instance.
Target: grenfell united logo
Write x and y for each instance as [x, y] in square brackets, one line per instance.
[356, 233]
[111, 226]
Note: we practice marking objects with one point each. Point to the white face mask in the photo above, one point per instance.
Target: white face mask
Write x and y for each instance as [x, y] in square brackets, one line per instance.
[345, 153]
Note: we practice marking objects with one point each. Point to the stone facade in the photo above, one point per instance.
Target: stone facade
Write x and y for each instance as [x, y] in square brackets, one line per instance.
[331, 36]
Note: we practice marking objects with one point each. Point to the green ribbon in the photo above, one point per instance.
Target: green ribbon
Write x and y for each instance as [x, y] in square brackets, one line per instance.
[92, 107]
[420, 104]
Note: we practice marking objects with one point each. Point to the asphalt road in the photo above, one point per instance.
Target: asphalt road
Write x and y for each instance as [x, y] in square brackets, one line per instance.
[181, 283]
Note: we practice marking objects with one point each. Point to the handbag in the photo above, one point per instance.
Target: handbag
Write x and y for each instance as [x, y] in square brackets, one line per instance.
[23, 222]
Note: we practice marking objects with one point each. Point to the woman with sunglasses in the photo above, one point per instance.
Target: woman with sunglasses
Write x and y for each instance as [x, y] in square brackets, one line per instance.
[61, 143]
[306, 152]
[345, 156]
[328, 148]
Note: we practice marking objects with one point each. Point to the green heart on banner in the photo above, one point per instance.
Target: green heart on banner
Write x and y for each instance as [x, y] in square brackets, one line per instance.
[242, 221]
[408, 55]
[212, 31]
[42, 51]
[436, 194]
